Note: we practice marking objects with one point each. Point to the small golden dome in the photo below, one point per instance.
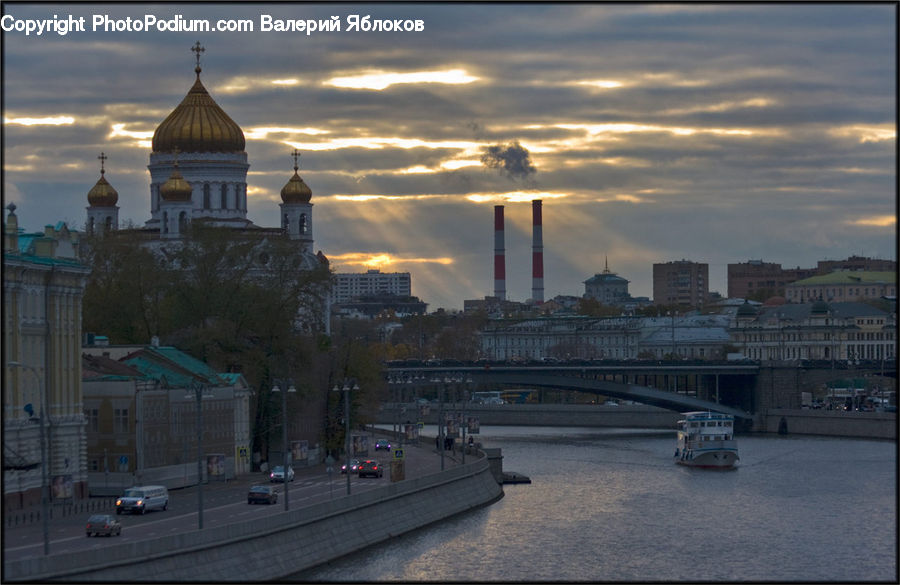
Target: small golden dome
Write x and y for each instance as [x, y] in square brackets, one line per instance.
[102, 194]
[296, 191]
[176, 188]
[198, 124]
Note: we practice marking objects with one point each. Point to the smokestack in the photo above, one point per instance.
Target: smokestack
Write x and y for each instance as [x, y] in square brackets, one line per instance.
[537, 253]
[499, 255]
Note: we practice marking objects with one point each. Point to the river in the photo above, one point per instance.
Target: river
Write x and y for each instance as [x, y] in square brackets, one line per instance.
[610, 505]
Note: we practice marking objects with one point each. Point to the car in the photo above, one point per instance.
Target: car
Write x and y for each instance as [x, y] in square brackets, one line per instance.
[370, 467]
[277, 473]
[262, 494]
[354, 466]
[382, 444]
[105, 524]
[141, 499]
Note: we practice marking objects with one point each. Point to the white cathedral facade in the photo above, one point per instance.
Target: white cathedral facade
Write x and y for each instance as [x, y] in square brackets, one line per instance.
[198, 173]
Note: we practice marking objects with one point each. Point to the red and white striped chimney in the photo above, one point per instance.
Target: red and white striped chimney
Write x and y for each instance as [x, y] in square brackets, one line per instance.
[499, 255]
[537, 253]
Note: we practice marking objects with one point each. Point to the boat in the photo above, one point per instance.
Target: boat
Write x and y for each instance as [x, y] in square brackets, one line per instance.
[706, 439]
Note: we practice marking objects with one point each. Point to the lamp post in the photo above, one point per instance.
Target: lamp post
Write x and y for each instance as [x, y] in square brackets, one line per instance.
[346, 390]
[44, 496]
[465, 423]
[199, 389]
[284, 438]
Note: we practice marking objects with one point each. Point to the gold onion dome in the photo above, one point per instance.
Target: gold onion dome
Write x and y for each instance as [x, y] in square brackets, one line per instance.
[176, 188]
[198, 124]
[102, 194]
[296, 190]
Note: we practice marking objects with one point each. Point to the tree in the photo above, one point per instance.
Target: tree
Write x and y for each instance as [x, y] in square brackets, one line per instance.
[240, 301]
[126, 295]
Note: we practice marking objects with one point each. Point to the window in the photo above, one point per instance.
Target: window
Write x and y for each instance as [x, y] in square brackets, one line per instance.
[206, 196]
[120, 420]
[93, 419]
[224, 202]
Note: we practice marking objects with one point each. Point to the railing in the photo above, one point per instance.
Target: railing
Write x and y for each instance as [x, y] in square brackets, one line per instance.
[17, 518]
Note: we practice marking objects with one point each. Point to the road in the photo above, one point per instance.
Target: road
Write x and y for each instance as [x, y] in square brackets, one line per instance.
[223, 503]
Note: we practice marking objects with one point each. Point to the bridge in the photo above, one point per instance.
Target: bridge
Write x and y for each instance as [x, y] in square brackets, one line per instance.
[742, 388]
[617, 380]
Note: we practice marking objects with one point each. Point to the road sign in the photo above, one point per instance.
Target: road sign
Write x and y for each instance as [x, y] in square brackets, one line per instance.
[398, 454]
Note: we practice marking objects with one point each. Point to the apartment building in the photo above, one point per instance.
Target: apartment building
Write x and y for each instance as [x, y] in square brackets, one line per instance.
[352, 285]
[681, 282]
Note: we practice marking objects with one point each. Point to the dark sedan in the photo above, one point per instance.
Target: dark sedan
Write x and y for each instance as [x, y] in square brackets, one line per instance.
[262, 494]
[105, 524]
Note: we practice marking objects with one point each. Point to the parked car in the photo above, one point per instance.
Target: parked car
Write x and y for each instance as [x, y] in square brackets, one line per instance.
[262, 494]
[370, 467]
[105, 524]
[382, 444]
[354, 466]
[278, 473]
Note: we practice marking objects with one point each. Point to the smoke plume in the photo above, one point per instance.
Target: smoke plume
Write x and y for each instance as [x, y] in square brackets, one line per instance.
[512, 160]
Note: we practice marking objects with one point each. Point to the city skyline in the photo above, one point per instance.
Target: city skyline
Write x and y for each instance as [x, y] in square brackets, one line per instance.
[652, 133]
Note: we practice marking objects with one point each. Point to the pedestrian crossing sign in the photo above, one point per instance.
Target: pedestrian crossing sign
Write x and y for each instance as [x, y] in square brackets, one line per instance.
[398, 454]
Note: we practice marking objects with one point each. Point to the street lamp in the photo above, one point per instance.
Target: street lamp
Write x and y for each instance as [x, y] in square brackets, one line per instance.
[199, 389]
[346, 390]
[465, 423]
[40, 420]
[284, 438]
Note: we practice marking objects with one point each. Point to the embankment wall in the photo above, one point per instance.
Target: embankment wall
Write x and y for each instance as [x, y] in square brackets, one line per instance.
[865, 425]
[832, 423]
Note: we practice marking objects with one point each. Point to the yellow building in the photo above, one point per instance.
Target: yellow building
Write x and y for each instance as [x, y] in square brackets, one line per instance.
[43, 421]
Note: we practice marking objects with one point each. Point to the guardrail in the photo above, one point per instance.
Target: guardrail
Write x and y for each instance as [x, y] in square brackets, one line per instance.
[32, 515]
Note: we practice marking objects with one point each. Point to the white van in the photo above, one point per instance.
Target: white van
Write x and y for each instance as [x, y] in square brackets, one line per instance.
[142, 498]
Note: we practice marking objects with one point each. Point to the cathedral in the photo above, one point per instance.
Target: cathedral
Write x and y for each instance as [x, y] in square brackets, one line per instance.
[198, 173]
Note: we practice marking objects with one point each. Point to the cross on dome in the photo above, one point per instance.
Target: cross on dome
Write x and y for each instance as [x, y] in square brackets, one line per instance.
[197, 48]
[102, 159]
[296, 155]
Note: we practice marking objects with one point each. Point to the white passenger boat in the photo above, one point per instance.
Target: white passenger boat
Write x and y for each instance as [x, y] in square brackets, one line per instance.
[706, 439]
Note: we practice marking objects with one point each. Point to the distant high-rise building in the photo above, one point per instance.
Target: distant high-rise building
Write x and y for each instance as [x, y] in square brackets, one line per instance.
[681, 282]
[352, 285]
[857, 263]
[760, 280]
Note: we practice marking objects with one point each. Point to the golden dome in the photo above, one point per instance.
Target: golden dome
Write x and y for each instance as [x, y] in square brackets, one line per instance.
[198, 124]
[176, 188]
[102, 194]
[296, 191]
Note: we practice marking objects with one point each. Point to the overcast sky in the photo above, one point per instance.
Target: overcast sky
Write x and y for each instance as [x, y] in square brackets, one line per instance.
[716, 133]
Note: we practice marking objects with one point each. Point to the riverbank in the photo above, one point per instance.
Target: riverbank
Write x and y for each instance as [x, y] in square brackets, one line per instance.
[862, 425]
[830, 423]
